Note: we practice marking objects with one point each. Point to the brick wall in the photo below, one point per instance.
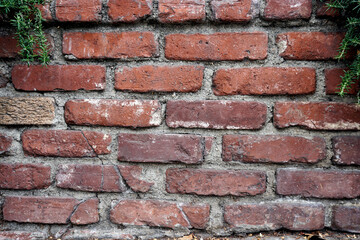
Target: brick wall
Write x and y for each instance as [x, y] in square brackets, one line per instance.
[160, 118]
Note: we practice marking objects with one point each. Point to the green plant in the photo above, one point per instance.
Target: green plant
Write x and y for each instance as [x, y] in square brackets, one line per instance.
[351, 10]
[26, 17]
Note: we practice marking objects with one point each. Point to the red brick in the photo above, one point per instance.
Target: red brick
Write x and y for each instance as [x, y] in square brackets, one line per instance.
[65, 143]
[125, 45]
[317, 115]
[5, 144]
[215, 182]
[78, 10]
[58, 77]
[346, 150]
[129, 10]
[45, 11]
[131, 175]
[232, 10]
[87, 212]
[9, 46]
[198, 215]
[333, 80]
[309, 45]
[189, 149]
[215, 114]
[346, 218]
[273, 149]
[110, 112]
[47, 210]
[217, 46]
[157, 213]
[91, 178]
[264, 81]
[287, 9]
[318, 183]
[159, 78]
[274, 216]
[21, 235]
[177, 11]
[24, 176]
[324, 12]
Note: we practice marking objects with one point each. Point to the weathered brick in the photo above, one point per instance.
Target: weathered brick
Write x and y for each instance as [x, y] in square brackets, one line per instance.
[5, 144]
[65, 143]
[323, 11]
[318, 183]
[159, 214]
[131, 175]
[151, 78]
[45, 11]
[109, 112]
[217, 46]
[58, 77]
[287, 9]
[346, 150]
[124, 45]
[232, 10]
[333, 80]
[177, 11]
[189, 149]
[27, 111]
[215, 182]
[215, 114]
[346, 218]
[317, 115]
[8, 46]
[87, 212]
[91, 178]
[309, 45]
[129, 10]
[24, 176]
[21, 235]
[78, 10]
[47, 210]
[274, 216]
[264, 81]
[273, 148]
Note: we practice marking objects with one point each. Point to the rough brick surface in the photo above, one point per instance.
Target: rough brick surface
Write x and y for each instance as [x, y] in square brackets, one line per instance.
[177, 11]
[189, 149]
[346, 150]
[215, 182]
[346, 218]
[47, 210]
[87, 212]
[150, 78]
[78, 10]
[24, 176]
[129, 10]
[264, 81]
[65, 143]
[232, 10]
[124, 45]
[217, 46]
[131, 175]
[274, 149]
[5, 144]
[156, 213]
[287, 9]
[21, 235]
[333, 80]
[323, 11]
[274, 216]
[58, 77]
[309, 45]
[45, 11]
[215, 114]
[8, 46]
[108, 112]
[198, 215]
[318, 183]
[27, 111]
[92, 178]
[317, 115]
